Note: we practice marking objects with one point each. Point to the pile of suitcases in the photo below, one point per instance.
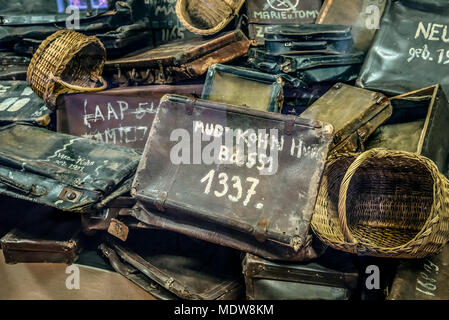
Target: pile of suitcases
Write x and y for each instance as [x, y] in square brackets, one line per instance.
[254, 149]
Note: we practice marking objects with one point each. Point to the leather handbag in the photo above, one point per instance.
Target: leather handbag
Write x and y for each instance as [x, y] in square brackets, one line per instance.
[410, 50]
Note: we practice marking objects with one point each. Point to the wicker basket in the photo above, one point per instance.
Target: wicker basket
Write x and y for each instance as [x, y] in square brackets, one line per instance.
[207, 17]
[67, 62]
[383, 203]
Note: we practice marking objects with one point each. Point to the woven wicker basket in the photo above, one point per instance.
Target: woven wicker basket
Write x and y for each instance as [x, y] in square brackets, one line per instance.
[207, 17]
[67, 62]
[383, 203]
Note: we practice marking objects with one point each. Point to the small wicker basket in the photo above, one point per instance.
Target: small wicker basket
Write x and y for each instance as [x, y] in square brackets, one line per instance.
[383, 203]
[207, 17]
[67, 62]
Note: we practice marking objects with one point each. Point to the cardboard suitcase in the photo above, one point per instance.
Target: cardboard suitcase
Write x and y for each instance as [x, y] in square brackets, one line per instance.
[334, 276]
[51, 238]
[362, 15]
[244, 87]
[122, 116]
[263, 13]
[188, 268]
[355, 114]
[415, 126]
[18, 103]
[177, 60]
[65, 172]
[229, 199]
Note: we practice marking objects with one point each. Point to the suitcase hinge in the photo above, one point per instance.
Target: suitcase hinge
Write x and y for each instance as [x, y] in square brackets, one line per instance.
[260, 232]
[190, 106]
[160, 201]
[70, 195]
[289, 125]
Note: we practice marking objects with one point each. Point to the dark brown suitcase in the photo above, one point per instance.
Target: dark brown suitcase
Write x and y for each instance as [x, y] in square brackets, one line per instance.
[422, 279]
[254, 211]
[188, 268]
[53, 238]
[355, 113]
[362, 15]
[121, 116]
[334, 276]
[416, 126]
[177, 60]
[263, 13]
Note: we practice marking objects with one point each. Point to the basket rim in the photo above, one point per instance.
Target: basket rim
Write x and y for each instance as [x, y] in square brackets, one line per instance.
[209, 31]
[415, 242]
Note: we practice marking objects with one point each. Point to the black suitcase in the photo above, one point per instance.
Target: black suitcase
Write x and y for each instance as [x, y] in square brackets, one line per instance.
[309, 69]
[411, 49]
[254, 211]
[65, 172]
[12, 66]
[334, 276]
[18, 103]
[188, 268]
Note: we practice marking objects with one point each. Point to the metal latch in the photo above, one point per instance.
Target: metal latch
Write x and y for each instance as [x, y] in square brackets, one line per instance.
[70, 195]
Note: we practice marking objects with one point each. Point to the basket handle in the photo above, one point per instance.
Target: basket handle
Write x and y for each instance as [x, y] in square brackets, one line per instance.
[104, 84]
[344, 190]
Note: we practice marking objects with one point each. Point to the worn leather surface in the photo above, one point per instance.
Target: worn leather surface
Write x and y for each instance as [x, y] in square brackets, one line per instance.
[422, 279]
[176, 61]
[18, 103]
[270, 216]
[121, 116]
[262, 13]
[189, 268]
[409, 51]
[244, 87]
[66, 172]
[350, 110]
[359, 14]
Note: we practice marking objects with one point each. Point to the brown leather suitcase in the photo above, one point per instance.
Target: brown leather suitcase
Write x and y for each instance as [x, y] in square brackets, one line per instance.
[121, 116]
[177, 60]
[426, 279]
[417, 125]
[362, 15]
[355, 113]
[52, 238]
[188, 268]
[233, 200]
[263, 13]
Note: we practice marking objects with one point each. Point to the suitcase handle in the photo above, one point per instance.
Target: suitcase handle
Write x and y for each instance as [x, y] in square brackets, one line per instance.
[29, 190]
[268, 66]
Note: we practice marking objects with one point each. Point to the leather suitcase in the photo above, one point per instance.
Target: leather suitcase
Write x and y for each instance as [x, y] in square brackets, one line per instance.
[416, 126]
[334, 276]
[265, 13]
[425, 279]
[188, 268]
[13, 67]
[245, 213]
[355, 113]
[409, 51]
[244, 87]
[65, 172]
[308, 39]
[18, 103]
[51, 238]
[362, 15]
[43, 17]
[134, 275]
[121, 116]
[309, 69]
[176, 61]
